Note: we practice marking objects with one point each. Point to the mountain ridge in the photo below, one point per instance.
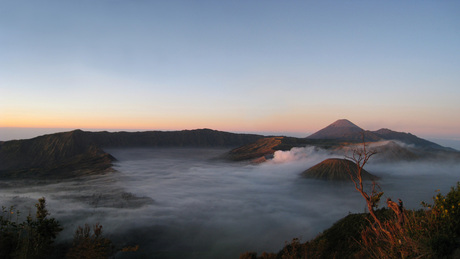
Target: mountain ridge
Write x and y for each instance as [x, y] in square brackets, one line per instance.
[343, 133]
[345, 130]
[67, 152]
[82, 152]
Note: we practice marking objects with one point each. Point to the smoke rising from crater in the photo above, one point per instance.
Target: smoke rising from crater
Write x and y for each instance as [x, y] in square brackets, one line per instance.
[185, 203]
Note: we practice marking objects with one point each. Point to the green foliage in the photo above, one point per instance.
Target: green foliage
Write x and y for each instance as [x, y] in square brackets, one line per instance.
[9, 231]
[447, 210]
[32, 238]
[339, 241]
[443, 222]
[429, 233]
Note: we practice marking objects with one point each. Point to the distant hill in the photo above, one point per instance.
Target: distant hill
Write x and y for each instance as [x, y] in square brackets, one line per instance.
[339, 130]
[45, 155]
[259, 149]
[390, 151]
[393, 146]
[335, 169]
[264, 148]
[183, 138]
[79, 152]
[344, 130]
[408, 138]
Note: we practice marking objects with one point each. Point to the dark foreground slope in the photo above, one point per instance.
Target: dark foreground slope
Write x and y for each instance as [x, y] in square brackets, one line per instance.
[431, 232]
[79, 152]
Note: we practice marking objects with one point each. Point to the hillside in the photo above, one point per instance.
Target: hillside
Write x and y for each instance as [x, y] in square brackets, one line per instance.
[259, 149]
[264, 148]
[344, 130]
[431, 232]
[409, 139]
[343, 134]
[183, 138]
[78, 152]
[66, 153]
[335, 169]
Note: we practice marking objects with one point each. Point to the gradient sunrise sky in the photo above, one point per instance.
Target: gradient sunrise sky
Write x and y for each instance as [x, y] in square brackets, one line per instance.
[240, 66]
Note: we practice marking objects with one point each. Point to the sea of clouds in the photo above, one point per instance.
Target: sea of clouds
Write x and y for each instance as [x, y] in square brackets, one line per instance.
[189, 203]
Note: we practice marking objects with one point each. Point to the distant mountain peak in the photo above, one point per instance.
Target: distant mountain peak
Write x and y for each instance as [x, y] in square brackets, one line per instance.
[340, 130]
[384, 131]
[344, 123]
[347, 131]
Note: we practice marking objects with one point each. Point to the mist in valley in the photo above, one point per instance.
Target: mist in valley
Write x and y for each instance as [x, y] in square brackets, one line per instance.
[190, 203]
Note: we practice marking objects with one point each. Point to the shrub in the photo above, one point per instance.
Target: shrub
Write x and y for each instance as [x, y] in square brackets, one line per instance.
[32, 238]
[89, 244]
[432, 232]
[429, 233]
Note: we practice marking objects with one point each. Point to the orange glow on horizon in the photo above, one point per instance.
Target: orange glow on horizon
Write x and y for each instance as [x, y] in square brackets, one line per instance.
[291, 122]
[231, 124]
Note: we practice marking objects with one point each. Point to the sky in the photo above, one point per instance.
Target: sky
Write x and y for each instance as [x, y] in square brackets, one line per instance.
[239, 66]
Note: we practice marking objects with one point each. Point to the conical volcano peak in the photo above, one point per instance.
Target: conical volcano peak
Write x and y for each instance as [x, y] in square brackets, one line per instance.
[340, 130]
[335, 169]
[344, 123]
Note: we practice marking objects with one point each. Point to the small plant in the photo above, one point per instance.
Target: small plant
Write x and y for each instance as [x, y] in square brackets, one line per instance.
[443, 221]
[32, 238]
[429, 233]
[432, 233]
[9, 231]
[89, 244]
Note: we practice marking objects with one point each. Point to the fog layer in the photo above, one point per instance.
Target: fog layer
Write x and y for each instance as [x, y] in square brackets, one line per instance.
[185, 203]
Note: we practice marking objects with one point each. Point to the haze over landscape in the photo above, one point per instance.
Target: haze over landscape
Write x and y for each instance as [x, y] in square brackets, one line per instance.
[204, 129]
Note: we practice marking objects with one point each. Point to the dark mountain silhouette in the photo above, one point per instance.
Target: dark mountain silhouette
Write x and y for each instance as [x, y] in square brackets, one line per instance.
[183, 138]
[259, 149]
[392, 151]
[79, 152]
[408, 138]
[343, 133]
[265, 148]
[335, 169]
[344, 130]
[67, 152]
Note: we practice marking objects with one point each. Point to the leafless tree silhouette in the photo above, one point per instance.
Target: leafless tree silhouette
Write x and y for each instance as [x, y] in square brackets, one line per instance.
[361, 156]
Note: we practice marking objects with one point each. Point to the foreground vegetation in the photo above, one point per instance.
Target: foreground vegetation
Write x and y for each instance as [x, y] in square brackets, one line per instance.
[431, 232]
[393, 232]
[34, 238]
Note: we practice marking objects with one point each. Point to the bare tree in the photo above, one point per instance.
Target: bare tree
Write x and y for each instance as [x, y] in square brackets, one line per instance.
[361, 156]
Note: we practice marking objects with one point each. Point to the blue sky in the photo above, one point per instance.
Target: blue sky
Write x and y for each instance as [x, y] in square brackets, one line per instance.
[254, 66]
